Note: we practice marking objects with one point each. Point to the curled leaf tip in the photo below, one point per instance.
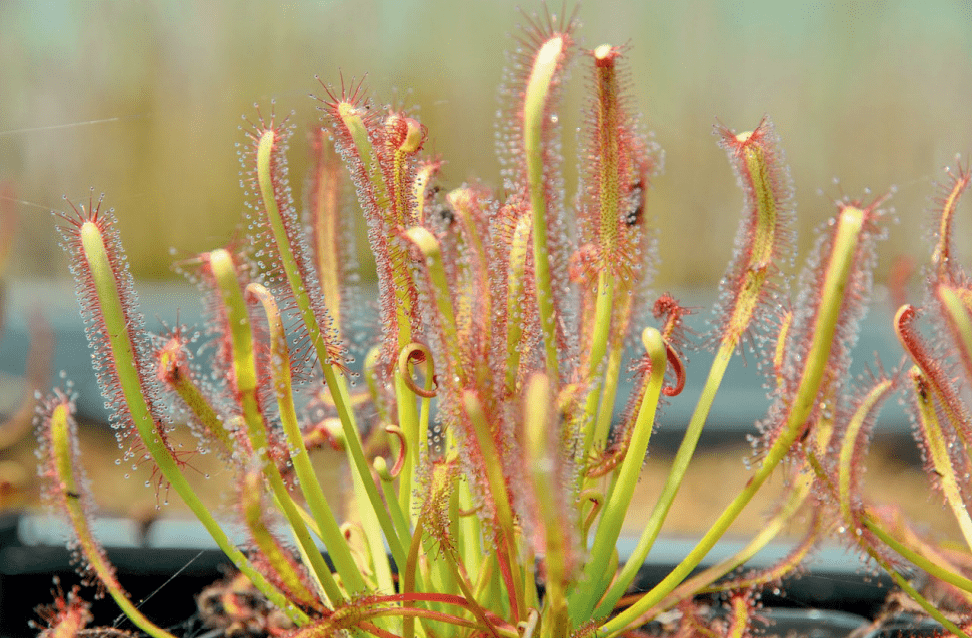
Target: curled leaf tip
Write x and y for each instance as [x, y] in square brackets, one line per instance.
[402, 450]
[677, 366]
[417, 353]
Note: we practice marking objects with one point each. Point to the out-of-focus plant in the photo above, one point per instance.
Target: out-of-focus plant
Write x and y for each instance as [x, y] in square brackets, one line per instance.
[504, 320]
[14, 477]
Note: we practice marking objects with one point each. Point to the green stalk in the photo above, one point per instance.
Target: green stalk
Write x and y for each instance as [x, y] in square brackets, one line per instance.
[497, 488]
[673, 479]
[488, 587]
[938, 449]
[935, 555]
[376, 546]
[408, 422]
[599, 342]
[370, 372]
[251, 502]
[756, 172]
[543, 464]
[398, 515]
[122, 352]
[519, 251]
[436, 575]
[365, 488]
[310, 485]
[469, 532]
[537, 96]
[612, 374]
[461, 579]
[241, 336]
[245, 375]
[874, 525]
[584, 598]
[930, 608]
[414, 426]
[60, 433]
[408, 576]
[425, 414]
[429, 246]
[846, 460]
[846, 239]
[932, 567]
[702, 582]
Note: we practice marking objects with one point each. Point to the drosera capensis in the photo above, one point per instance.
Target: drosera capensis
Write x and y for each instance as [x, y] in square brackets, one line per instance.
[483, 455]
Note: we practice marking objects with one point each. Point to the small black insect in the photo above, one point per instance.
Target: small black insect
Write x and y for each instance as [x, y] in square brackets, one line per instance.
[635, 213]
[444, 213]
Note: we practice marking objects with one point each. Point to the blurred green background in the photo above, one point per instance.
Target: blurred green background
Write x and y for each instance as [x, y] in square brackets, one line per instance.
[143, 100]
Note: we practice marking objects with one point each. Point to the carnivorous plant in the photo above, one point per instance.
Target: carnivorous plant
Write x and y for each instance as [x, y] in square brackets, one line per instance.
[489, 474]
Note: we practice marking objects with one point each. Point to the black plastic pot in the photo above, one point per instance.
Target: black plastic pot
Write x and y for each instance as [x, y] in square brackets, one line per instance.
[176, 568]
[169, 563]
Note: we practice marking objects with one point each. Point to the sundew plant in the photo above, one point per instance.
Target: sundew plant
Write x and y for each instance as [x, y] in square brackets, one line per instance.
[489, 474]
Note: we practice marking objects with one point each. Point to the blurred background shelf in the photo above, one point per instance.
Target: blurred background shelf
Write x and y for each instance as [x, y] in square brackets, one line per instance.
[741, 402]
